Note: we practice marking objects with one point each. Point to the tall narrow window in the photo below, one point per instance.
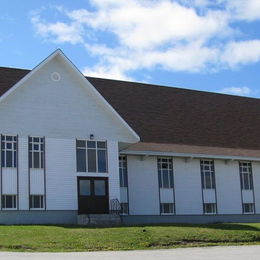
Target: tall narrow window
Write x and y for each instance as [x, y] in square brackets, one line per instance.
[81, 156]
[123, 184]
[123, 171]
[36, 152]
[207, 174]
[9, 150]
[165, 173]
[246, 176]
[91, 156]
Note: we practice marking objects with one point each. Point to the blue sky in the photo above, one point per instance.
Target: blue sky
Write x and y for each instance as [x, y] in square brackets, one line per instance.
[211, 45]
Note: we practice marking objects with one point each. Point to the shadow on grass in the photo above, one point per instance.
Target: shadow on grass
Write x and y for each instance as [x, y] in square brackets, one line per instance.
[217, 226]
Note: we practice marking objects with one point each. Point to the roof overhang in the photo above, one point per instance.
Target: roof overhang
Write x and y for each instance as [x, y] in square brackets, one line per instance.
[192, 152]
[190, 155]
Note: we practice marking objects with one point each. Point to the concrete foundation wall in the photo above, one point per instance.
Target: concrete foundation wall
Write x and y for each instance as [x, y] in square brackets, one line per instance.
[38, 217]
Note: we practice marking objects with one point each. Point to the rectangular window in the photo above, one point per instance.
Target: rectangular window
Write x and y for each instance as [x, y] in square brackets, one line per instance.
[81, 156]
[9, 201]
[8, 151]
[124, 208]
[207, 174]
[248, 208]
[246, 176]
[165, 171]
[36, 201]
[36, 152]
[209, 208]
[167, 208]
[91, 156]
[123, 171]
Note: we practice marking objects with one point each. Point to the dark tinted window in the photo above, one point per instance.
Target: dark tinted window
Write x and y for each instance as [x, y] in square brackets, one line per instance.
[36, 201]
[92, 160]
[81, 160]
[102, 162]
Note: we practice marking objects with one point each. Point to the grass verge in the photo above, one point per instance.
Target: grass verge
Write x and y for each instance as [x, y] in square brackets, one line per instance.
[44, 238]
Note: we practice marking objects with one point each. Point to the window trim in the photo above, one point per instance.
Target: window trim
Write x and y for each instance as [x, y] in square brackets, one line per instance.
[32, 151]
[167, 213]
[210, 213]
[43, 202]
[251, 212]
[249, 173]
[13, 196]
[4, 150]
[212, 174]
[96, 149]
[124, 171]
[170, 173]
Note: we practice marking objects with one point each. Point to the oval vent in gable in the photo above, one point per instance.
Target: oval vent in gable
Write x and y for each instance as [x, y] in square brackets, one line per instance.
[55, 76]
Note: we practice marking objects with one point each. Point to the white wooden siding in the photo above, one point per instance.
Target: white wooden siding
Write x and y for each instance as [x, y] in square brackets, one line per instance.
[63, 109]
[23, 173]
[188, 195]
[228, 187]
[256, 179]
[113, 170]
[143, 186]
[61, 180]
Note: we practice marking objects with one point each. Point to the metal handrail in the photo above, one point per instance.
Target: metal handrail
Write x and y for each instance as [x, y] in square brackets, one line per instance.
[115, 207]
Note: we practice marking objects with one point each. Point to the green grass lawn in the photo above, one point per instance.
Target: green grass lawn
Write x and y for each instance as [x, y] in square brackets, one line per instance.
[75, 238]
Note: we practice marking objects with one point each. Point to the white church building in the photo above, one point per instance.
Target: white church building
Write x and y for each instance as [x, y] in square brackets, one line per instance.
[73, 147]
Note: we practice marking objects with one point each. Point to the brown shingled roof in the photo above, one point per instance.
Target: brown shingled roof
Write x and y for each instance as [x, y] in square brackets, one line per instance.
[173, 115]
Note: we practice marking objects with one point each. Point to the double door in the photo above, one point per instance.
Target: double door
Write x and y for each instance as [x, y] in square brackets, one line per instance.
[93, 195]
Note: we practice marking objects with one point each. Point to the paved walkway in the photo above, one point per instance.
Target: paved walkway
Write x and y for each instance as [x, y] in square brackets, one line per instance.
[212, 253]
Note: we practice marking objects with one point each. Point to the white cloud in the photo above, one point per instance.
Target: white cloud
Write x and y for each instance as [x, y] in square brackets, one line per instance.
[170, 35]
[139, 25]
[58, 32]
[108, 72]
[239, 91]
[244, 9]
[241, 53]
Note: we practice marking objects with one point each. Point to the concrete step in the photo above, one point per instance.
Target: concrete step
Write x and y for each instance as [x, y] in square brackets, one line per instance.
[99, 220]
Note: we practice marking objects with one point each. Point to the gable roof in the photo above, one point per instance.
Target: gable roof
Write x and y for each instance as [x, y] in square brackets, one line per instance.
[172, 115]
[58, 53]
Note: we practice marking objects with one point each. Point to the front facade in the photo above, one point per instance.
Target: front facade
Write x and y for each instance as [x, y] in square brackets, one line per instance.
[68, 150]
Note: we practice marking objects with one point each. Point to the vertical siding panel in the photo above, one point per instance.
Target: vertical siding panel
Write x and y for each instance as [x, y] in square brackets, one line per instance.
[61, 177]
[228, 187]
[187, 176]
[256, 183]
[113, 170]
[23, 174]
[143, 186]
